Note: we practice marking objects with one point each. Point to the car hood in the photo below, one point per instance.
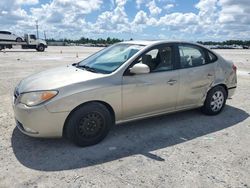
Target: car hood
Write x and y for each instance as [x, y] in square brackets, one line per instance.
[56, 78]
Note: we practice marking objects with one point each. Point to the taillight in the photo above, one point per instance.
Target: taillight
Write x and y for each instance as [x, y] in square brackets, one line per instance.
[234, 68]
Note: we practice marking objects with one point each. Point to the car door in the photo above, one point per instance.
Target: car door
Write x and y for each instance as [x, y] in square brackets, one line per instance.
[196, 76]
[32, 39]
[154, 92]
[9, 36]
[4, 36]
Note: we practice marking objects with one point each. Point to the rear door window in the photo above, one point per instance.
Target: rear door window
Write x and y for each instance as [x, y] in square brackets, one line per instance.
[5, 32]
[191, 56]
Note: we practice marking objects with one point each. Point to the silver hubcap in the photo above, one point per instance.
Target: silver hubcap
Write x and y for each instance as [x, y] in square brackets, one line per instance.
[217, 101]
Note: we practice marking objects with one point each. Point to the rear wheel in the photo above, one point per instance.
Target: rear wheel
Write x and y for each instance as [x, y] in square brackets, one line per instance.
[89, 124]
[19, 39]
[215, 101]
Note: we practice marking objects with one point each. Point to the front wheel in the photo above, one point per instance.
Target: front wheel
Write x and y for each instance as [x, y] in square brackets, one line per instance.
[215, 101]
[40, 48]
[89, 124]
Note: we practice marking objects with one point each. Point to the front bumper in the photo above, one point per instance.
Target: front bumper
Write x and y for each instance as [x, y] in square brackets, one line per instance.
[38, 121]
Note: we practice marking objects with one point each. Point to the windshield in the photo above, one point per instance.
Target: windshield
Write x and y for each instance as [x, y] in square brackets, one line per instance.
[111, 58]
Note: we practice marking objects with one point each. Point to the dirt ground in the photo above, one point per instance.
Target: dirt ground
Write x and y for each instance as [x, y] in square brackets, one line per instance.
[186, 149]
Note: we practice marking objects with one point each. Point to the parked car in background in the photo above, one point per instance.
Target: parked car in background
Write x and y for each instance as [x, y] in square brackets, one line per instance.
[124, 82]
[8, 36]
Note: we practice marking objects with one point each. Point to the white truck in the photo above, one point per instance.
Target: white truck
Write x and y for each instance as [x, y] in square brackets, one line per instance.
[28, 42]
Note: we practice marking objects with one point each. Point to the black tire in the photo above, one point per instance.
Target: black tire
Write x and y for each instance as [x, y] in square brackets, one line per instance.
[215, 101]
[89, 124]
[40, 48]
[19, 39]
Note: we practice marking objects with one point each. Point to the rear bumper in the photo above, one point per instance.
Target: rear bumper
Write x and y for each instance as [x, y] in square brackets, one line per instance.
[231, 92]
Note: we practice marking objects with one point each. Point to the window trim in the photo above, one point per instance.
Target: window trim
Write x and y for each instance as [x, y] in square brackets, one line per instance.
[210, 61]
[159, 46]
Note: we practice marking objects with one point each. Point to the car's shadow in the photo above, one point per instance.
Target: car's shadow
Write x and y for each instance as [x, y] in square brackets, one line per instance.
[140, 137]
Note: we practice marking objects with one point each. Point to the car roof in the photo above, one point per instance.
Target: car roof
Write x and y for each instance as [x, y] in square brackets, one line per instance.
[156, 42]
[141, 42]
[153, 42]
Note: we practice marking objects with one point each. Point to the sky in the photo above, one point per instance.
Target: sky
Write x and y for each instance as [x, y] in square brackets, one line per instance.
[190, 20]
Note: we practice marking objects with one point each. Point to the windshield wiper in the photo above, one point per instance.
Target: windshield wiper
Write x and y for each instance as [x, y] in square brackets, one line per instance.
[91, 69]
[75, 64]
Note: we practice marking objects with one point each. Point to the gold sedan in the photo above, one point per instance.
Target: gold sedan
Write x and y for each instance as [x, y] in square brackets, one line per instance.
[124, 82]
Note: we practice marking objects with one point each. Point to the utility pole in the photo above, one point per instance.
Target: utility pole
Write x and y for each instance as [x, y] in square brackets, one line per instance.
[45, 38]
[37, 35]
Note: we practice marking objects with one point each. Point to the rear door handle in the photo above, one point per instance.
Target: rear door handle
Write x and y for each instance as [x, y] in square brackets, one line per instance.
[210, 75]
[172, 82]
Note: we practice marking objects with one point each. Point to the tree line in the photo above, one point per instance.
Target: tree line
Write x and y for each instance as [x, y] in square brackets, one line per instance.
[228, 42]
[84, 40]
[109, 40]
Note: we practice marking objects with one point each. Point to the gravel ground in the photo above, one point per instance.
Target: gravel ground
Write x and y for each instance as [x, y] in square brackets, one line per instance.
[185, 149]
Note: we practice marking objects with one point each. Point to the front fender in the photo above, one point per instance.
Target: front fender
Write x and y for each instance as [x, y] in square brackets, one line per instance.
[109, 94]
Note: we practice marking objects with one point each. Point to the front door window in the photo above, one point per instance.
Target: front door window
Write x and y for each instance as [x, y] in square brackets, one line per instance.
[158, 59]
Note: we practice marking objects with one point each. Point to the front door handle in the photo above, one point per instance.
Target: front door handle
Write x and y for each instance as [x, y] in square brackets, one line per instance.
[172, 82]
[147, 84]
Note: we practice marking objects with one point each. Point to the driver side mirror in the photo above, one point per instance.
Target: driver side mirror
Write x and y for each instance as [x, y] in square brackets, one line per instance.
[139, 69]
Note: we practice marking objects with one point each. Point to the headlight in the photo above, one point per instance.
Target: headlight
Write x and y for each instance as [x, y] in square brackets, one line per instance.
[37, 97]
